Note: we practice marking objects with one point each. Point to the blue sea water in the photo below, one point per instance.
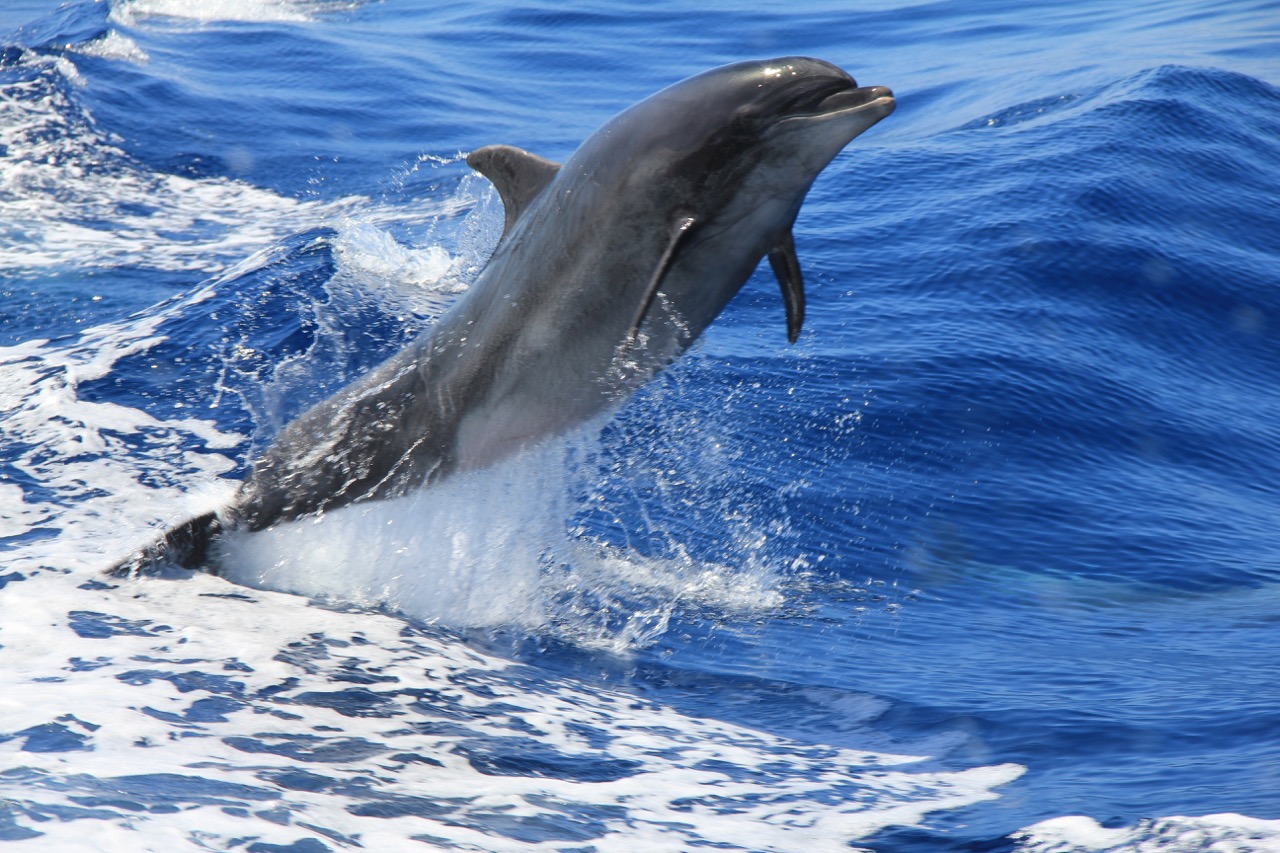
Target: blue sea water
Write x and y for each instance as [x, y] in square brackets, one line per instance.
[986, 561]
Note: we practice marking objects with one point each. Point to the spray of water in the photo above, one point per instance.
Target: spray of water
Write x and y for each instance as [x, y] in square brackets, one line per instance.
[504, 548]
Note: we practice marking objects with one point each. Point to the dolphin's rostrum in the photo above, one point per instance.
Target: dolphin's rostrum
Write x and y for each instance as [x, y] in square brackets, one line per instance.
[608, 268]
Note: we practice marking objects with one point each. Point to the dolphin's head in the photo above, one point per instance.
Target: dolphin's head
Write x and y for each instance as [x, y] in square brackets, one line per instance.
[729, 153]
[787, 116]
[806, 110]
[753, 110]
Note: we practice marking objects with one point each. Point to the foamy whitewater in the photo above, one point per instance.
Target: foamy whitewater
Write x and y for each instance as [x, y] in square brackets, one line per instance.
[986, 562]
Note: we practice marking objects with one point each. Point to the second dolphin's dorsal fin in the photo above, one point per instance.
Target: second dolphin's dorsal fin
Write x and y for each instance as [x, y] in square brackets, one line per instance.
[518, 175]
[678, 233]
[786, 266]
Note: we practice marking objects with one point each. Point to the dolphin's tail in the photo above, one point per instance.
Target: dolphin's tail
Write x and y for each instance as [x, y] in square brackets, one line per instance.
[185, 546]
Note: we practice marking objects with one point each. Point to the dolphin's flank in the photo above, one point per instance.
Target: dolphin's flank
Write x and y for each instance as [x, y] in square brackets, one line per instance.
[608, 268]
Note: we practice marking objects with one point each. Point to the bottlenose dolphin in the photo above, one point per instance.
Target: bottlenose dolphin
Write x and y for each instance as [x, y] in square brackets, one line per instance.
[608, 268]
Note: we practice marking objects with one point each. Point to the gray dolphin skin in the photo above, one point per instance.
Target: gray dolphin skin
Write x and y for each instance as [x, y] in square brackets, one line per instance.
[608, 268]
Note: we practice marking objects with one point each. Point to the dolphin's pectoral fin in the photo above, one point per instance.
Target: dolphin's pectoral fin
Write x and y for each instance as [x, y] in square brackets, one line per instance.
[786, 266]
[518, 175]
[678, 233]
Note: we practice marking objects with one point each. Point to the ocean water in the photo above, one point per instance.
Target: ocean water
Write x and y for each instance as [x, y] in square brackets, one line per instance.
[987, 561]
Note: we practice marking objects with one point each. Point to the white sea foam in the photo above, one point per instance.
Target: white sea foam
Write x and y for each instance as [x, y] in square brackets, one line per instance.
[131, 12]
[1221, 833]
[114, 45]
[70, 198]
[76, 450]
[16, 515]
[277, 755]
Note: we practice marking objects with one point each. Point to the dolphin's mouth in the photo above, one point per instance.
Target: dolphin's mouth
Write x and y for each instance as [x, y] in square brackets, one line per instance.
[854, 98]
[834, 96]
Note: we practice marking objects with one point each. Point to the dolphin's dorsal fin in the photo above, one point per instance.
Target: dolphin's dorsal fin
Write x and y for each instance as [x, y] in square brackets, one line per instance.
[786, 266]
[518, 175]
[682, 227]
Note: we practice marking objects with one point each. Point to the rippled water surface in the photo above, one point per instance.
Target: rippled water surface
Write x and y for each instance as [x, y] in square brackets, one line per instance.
[986, 561]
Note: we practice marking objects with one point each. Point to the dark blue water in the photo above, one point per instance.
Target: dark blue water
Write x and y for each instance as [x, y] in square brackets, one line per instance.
[1009, 507]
